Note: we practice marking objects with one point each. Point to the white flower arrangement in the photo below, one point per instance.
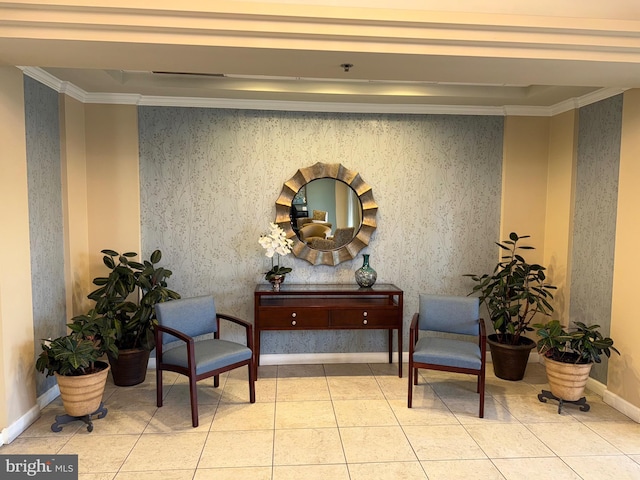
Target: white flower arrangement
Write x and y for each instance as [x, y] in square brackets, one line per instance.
[276, 245]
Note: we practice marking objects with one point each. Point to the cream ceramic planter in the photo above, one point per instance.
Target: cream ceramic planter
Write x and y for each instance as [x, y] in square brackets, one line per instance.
[81, 395]
[567, 380]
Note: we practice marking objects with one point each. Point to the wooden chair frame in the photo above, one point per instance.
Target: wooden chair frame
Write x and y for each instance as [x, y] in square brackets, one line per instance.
[190, 371]
[414, 366]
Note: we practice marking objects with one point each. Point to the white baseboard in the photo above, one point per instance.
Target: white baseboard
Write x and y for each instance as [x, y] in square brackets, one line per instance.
[622, 405]
[12, 432]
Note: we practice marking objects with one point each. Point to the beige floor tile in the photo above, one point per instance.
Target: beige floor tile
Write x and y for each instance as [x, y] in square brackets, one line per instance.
[124, 397]
[600, 467]
[233, 473]
[97, 476]
[461, 469]
[503, 440]
[625, 436]
[172, 418]
[163, 451]
[268, 372]
[454, 389]
[311, 472]
[466, 411]
[131, 420]
[387, 471]
[301, 371]
[347, 370]
[354, 388]
[42, 426]
[34, 445]
[499, 387]
[429, 413]
[635, 458]
[364, 413]
[393, 387]
[99, 453]
[155, 475]
[237, 391]
[535, 469]
[376, 444]
[249, 416]
[583, 441]
[442, 442]
[249, 448]
[308, 414]
[598, 412]
[178, 394]
[300, 389]
[528, 409]
[388, 369]
[307, 446]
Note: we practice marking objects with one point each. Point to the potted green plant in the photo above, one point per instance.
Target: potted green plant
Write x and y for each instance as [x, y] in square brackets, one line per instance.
[569, 355]
[74, 360]
[126, 298]
[514, 294]
[276, 245]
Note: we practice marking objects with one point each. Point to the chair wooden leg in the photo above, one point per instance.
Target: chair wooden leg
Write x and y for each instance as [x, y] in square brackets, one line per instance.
[158, 387]
[252, 384]
[193, 393]
[216, 381]
[481, 392]
[410, 379]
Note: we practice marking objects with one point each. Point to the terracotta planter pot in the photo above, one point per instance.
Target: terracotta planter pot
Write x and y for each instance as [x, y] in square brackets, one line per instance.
[81, 395]
[130, 368]
[510, 361]
[567, 380]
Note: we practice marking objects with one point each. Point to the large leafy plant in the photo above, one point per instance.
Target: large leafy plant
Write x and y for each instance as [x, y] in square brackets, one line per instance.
[76, 353]
[128, 295]
[515, 292]
[585, 344]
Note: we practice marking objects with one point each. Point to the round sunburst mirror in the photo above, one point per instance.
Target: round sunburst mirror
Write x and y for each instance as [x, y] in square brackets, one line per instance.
[328, 221]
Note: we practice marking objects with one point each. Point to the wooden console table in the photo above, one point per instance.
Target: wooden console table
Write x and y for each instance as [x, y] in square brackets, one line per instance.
[328, 307]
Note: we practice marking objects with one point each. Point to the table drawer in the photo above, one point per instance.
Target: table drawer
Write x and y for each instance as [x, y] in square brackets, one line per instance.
[363, 317]
[292, 317]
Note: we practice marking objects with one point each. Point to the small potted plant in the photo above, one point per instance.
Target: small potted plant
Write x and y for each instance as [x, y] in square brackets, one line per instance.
[127, 299]
[569, 356]
[74, 360]
[276, 245]
[514, 294]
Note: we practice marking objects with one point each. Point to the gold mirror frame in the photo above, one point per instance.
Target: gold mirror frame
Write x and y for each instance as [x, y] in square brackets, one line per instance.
[369, 211]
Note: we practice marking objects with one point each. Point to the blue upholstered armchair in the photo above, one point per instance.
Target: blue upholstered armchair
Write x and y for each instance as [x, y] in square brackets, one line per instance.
[186, 321]
[448, 315]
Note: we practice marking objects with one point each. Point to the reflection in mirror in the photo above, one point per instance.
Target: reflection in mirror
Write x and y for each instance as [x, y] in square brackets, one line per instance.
[330, 203]
[329, 213]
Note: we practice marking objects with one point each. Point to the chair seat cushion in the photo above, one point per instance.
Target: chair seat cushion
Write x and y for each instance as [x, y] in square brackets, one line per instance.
[449, 352]
[210, 354]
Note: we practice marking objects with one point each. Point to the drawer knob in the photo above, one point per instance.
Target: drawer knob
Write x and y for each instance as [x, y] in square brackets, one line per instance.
[294, 323]
[365, 321]
[294, 314]
[365, 314]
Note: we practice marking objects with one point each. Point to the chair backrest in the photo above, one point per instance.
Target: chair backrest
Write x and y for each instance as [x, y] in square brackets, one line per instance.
[450, 314]
[194, 316]
[314, 230]
[320, 215]
[343, 236]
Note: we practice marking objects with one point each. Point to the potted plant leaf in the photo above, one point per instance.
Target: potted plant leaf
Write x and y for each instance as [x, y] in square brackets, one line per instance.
[514, 293]
[74, 360]
[126, 298]
[569, 356]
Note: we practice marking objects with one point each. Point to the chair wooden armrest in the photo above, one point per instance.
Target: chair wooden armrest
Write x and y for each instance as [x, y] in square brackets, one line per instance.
[179, 335]
[238, 321]
[413, 330]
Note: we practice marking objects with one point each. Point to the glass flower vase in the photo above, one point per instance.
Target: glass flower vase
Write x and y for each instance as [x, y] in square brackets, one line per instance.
[365, 275]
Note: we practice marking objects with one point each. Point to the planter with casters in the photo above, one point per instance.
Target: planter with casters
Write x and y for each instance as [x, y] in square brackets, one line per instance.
[82, 394]
[567, 380]
[510, 361]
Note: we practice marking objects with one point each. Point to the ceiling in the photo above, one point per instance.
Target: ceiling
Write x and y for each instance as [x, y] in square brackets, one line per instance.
[412, 58]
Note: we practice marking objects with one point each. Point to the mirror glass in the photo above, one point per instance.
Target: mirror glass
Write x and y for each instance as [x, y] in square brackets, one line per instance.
[329, 203]
[329, 213]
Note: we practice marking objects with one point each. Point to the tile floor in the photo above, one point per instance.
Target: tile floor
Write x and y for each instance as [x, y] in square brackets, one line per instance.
[335, 422]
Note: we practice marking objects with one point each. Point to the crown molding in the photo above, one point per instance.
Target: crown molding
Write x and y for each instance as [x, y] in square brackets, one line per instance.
[326, 107]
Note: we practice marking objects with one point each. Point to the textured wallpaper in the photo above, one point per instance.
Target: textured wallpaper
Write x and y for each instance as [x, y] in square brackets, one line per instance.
[595, 217]
[45, 216]
[210, 178]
